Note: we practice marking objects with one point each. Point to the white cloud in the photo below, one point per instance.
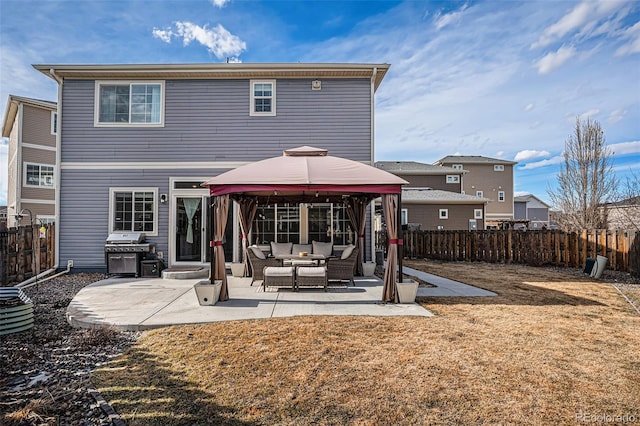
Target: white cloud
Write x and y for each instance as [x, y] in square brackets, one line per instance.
[617, 115]
[550, 162]
[441, 21]
[218, 40]
[633, 46]
[220, 3]
[553, 60]
[529, 107]
[625, 148]
[529, 154]
[589, 114]
[584, 19]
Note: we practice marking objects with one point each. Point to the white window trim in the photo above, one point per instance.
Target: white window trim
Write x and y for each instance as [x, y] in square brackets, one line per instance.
[25, 184]
[479, 194]
[501, 194]
[456, 166]
[252, 104]
[46, 218]
[477, 213]
[446, 214]
[156, 201]
[498, 167]
[54, 117]
[96, 103]
[453, 179]
[405, 215]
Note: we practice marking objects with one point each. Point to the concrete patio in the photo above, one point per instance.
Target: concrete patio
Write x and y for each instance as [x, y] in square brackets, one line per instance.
[147, 303]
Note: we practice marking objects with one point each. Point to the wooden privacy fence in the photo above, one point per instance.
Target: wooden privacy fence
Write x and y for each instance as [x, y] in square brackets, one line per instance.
[25, 252]
[535, 248]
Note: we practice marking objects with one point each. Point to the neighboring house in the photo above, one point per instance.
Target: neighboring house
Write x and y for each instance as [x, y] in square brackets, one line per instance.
[3, 217]
[433, 198]
[137, 141]
[624, 214]
[488, 178]
[31, 127]
[533, 209]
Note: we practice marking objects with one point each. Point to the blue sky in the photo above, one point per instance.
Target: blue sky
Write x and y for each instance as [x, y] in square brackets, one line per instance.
[503, 79]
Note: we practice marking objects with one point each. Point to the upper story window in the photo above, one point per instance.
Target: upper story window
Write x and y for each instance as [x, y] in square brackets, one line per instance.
[479, 194]
[456, 166]
[501, 196]
[133, 210]
[40, 175]
[129, 103]
[453, 179]
[477, 213]
[263, 97]
[54, 123]
[498, 167]
[443, 213]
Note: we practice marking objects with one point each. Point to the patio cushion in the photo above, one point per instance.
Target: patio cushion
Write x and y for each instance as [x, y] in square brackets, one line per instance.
[347, 251]
[325, 249]
[311, 271]
[278, 271]
[297, 248]
[278, 249]
[259, 253]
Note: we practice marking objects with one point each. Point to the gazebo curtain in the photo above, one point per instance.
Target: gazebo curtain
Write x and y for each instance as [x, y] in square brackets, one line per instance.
[246, 214]
[220, 210]
[390, 209]
[357, 212]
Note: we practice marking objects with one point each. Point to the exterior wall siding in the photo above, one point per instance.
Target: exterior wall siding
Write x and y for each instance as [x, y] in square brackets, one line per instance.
[428, 215]
[431, 181]
[205, 120]
[37, 127]
[538, 215]
[519, 210]
[208, 120]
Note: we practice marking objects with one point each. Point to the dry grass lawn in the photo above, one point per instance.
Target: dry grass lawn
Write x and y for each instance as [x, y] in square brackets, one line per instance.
[548, 349]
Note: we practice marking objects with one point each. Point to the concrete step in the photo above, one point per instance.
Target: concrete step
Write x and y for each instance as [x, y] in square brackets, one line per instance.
[185, 273]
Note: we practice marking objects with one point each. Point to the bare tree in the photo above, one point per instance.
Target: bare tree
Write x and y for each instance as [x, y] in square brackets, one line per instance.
[625, 212]
[586, 178]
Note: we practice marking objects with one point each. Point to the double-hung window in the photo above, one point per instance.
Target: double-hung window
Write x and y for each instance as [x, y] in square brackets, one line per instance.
[498, 167]
[129, 103]
[263, 98]
[501, 196]
[40, 175]
[453, 179]
[133, 210]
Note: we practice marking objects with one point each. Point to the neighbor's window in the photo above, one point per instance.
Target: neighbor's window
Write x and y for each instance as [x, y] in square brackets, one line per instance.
[134, 210]
[40, 175]
[479, 194]
[444, 214]
[129, 103]
[405, 216]
[498, 167]
[453, 179]
[477, 213]
[501, 196]
[54, 122]
[263, 97]
[456, 166]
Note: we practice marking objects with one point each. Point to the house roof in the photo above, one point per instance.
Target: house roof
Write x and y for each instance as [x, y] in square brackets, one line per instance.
[305, 174]
[415, 168]
[473, 159]
[216, 71]
[527, 198]
[627, 202]
[436, 196]
[11, 110]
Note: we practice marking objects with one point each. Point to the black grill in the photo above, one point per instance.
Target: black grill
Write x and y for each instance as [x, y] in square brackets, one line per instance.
[124, 252]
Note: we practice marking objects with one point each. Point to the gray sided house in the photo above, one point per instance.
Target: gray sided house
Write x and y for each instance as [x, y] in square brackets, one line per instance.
[31, 127]
[531, 208]
[433, 199]
[137, 141]
[489, 178]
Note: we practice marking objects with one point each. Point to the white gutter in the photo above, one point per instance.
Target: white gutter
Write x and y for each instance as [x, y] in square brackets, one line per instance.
[57, 169]
[19, 168]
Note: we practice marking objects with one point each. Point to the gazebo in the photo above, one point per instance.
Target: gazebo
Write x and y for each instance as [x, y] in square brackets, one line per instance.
[305, 175]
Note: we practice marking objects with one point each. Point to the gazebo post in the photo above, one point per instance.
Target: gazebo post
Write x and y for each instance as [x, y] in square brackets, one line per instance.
[399, 236]
[212, 224]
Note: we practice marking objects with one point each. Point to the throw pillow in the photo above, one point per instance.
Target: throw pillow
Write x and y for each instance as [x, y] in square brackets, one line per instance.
[280, 248]
[347, 252]
[297, 248]
[325, 249]
[259, 253]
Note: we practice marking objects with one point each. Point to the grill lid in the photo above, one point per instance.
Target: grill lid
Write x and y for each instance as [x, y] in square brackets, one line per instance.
[125, 238]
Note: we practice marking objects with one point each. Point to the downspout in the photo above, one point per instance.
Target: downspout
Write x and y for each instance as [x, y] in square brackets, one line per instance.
[58, 175]
[372, 212]
[19, 167]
